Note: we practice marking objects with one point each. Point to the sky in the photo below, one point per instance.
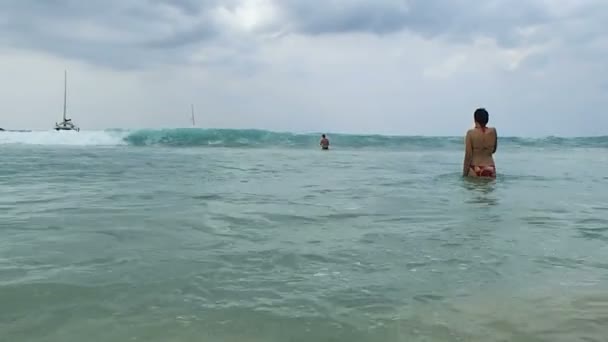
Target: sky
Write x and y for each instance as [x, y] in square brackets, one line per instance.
[407, 67]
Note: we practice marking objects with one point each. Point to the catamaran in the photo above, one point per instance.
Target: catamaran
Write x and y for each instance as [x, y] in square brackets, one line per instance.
[66, 124]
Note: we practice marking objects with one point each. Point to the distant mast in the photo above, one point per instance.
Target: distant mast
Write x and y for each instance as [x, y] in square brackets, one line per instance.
[65, 93]
[193, 122]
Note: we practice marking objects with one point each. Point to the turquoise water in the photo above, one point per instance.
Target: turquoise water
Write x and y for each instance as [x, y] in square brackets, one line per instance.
[191, 235]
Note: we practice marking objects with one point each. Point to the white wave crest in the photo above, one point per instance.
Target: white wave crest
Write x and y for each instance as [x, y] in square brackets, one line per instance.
[67, 138]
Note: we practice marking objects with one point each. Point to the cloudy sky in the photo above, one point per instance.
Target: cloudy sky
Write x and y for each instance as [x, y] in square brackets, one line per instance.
[375, 66]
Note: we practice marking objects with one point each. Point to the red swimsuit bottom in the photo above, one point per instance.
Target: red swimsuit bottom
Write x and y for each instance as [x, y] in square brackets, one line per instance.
[484, 171]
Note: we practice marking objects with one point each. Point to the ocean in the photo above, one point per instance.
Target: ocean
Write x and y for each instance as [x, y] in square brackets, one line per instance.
[245, 235]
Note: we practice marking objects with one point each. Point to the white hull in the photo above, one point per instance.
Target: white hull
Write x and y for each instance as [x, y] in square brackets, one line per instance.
[66, 126]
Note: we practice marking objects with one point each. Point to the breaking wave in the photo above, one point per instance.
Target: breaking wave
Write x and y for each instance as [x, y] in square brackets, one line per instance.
[64, 138]
[194, 137]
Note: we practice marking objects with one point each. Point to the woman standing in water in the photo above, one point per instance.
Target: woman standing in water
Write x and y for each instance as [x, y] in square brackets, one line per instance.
[480, 144]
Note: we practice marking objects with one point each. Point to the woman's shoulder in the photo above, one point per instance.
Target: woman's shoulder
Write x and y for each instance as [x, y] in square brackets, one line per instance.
[478, 132]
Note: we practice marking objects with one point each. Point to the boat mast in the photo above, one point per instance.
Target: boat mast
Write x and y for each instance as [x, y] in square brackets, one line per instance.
[193, 122]
[65, 92]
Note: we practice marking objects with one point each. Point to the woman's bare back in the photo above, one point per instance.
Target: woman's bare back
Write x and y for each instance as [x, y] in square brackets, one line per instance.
[481, 144]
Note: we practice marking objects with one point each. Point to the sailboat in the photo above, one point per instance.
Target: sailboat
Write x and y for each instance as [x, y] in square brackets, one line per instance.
[193, 122]
[66, 124]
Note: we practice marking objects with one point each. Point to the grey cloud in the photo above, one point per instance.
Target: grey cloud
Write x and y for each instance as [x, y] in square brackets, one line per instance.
[194, 7]
[169, 31]
[152, 26]
[455, 19]
[181, 39]
[317, 17]
[187, 6]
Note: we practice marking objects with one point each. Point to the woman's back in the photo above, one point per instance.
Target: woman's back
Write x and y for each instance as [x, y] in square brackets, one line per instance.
[483, 145]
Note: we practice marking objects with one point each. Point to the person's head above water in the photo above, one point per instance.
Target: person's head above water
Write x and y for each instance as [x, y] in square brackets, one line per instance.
[481, 117]
[323, 136]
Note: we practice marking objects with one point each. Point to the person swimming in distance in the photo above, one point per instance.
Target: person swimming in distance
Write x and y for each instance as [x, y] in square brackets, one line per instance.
[324, 143]
[480, 145]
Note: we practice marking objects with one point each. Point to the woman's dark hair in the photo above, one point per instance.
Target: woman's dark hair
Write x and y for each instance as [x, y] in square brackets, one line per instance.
[481, 116]
[322, 135]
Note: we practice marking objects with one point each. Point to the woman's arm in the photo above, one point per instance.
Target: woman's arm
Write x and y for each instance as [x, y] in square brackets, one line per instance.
[468, 154]
[495, 141]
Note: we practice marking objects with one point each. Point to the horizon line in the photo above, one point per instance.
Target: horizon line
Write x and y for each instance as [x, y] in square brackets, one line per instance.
[392, 135]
